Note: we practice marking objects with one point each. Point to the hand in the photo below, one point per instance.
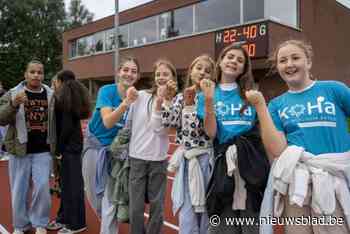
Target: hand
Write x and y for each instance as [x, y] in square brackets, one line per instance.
[189, 95]
[171, 90]
[208, 88]
[255, 97]
[19, 99]
[131, 95]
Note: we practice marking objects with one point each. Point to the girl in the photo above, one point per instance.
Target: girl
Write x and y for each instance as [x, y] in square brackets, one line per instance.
[108, 118]
[192, 139]
[226, 117]
[148, 152]
[308, 120]
[71, 104]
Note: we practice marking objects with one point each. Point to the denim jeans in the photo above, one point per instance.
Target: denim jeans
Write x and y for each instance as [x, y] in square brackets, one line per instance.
[22, 170]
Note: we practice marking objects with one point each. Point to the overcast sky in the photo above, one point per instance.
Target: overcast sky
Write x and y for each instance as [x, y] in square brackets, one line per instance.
[103, 8]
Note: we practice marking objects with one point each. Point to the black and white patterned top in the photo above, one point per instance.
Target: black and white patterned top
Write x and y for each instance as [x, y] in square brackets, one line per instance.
[189, 129]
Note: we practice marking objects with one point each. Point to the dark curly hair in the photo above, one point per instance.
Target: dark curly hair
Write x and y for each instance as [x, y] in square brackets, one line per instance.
[72, 96]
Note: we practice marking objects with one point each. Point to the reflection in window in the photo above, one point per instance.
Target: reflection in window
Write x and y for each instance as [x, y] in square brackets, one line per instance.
[110, 42]
[183, 22]
[123, 36]
[165, 25]
[143, 31]
[253, 10]
[72, 49]
[82, 44]
[90, 49]
[285, 11]
[99, 41]
[212, 14]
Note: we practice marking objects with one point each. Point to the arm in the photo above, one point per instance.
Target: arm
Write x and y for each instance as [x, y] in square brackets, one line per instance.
[110, 117]
[274, 141]
[7, 110]
[208, 89]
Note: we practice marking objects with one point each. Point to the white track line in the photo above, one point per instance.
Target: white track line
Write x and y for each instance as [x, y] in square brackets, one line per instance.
[3, 230]
[170, 225]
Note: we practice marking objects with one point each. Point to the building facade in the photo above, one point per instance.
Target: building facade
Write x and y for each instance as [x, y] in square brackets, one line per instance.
[181, 30]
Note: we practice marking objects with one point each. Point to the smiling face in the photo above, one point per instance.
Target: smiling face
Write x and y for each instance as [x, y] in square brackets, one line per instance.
[294, 66]
[34, 75]
[232, 64]
[202, 69]
[128, 73]
[162, 75]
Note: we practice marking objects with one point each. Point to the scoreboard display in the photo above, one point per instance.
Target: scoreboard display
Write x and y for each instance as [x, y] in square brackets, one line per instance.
[253, 37]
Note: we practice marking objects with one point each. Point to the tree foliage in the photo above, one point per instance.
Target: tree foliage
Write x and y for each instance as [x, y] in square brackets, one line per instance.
[78, 14]
[30, 29]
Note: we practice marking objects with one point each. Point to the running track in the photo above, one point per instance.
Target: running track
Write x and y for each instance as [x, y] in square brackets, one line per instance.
[93, 223]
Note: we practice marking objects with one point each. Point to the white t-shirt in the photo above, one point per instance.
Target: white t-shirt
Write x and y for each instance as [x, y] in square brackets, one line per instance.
[149, 139]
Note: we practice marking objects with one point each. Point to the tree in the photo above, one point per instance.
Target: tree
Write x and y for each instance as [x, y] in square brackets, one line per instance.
[78, 14]
[30, 29]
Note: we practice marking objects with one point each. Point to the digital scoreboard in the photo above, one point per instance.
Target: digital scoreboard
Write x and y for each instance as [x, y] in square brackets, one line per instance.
[253, 37]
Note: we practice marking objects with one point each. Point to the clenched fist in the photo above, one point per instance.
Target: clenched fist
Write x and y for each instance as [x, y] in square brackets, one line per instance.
[208, 88]
[255, 97]
[131, 95]
[19, 99]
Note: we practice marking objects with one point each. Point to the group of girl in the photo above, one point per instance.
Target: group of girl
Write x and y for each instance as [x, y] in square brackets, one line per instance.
[221, 166]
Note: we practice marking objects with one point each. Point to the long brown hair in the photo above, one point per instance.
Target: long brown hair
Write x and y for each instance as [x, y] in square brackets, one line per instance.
[245, 80]
[203, 57]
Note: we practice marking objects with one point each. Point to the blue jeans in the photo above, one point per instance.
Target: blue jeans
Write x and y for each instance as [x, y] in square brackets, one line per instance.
[22, 170]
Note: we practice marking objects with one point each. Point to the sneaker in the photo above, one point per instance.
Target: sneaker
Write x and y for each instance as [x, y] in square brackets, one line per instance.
[54, 225]
[18, 231]
[40, 230]
[70, 231]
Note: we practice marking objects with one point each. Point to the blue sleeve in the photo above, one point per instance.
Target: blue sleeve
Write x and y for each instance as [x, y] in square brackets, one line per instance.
[275, 116]
[104, 98]
[342, 93]
[200, 106]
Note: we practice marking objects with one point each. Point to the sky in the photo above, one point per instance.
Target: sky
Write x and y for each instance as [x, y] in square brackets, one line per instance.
[103, 8]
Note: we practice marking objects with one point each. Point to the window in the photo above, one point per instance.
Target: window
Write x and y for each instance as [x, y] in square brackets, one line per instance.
[166, 22]
[345, 3]
[90, 48]
[82, 45]
[99, 41]
[143, 31]
[213, 14]
[72, 49]
[285, 11]
[110, 41]
[253, 10]
[183, 22]
[123, 36]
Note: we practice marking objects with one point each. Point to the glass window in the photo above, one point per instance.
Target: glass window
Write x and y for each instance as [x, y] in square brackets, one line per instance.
[99, 41]
[72, 49]
[285, 11]
[110, 42]
[345, 3]
[253, 10]
[82, 45]
[90, 48]
[165, 25]
[143, 31]
[213, 14]
[183, 22]
[123, 36]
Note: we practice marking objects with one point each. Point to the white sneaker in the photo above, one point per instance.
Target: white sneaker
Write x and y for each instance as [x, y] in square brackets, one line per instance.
[18, 232]
[40, 230]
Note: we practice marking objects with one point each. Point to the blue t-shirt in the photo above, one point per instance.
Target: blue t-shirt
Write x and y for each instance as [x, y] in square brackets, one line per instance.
[315, 118]
[230, 122]
[108, 96]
